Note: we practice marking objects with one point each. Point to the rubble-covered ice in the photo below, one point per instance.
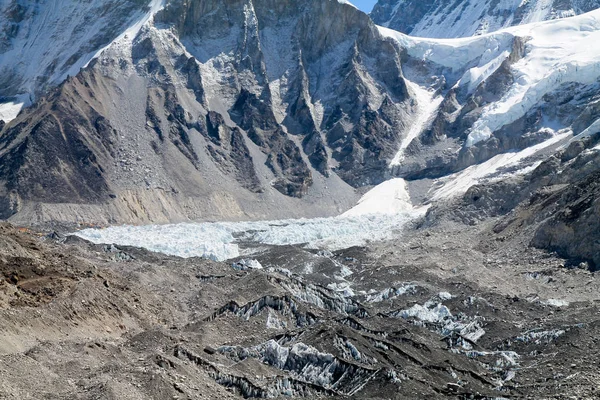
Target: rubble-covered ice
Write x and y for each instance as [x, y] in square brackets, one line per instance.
[246, 264]
[342, 288]
[390, 293]
[540, 336]
[308, 364]
[439, 317]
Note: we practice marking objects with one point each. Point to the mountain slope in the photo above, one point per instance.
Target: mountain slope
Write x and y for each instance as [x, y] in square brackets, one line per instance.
[449, 19]
[514, 89]
[43, 42]
[265, 109]
[209, 98]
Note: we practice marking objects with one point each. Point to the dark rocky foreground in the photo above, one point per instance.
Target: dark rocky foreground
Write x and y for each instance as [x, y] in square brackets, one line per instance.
[452, 312]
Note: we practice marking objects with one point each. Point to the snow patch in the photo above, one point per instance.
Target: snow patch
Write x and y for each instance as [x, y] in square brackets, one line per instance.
[246, 264]
[459, 183]
[389, 198]
[126, 38]
[426, 105]
[12, 108]
[556, 303]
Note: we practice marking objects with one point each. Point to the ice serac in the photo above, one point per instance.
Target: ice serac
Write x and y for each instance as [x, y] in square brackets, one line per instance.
[463, 18]
[209, 109]
[498, 93]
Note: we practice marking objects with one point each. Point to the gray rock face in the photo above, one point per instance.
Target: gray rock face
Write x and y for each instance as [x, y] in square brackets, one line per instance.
[447, 18]
[294, 71]
[555, 207]
[573, 228]
[269, 97]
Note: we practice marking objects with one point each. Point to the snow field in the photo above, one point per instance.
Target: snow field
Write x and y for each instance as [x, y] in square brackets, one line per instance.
[556, 52]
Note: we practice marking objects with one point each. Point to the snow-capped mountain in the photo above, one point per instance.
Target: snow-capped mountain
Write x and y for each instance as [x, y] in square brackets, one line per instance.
[504, 91]
[276, 109]
[218, 109]
[387, 216]
[463, 18]
[44, 41]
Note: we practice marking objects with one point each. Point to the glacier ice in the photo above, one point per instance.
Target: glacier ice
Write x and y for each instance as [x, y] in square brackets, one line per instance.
[557, 52]
[390, 293]
[220, 241]
[436, 313]
[246, 264]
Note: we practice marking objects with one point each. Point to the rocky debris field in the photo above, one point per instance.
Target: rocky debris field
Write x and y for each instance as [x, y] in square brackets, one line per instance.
[444, 314]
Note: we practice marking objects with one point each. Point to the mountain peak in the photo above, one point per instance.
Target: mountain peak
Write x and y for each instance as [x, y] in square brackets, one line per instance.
[463, 18]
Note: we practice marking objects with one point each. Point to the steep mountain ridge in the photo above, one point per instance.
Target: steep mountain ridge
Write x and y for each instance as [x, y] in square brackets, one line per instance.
[254, 109]
[267, 102]
[451, 19]
[527, 85]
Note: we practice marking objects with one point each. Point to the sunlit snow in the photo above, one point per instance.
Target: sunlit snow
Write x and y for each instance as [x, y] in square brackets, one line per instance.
[556, 52]
[10, 110]
[389, 198]
[427, 104]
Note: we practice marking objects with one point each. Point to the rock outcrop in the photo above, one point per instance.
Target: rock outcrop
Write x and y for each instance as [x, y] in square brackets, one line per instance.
[264, 97]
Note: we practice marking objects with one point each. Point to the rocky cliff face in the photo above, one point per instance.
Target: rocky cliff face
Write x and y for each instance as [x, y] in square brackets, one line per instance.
[262, 109]
[555, 207]
[448, 19]
[267, 98]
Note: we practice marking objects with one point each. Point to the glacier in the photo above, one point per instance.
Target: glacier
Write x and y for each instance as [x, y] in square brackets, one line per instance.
[221, 241]
[379, 215]
[557, 52]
